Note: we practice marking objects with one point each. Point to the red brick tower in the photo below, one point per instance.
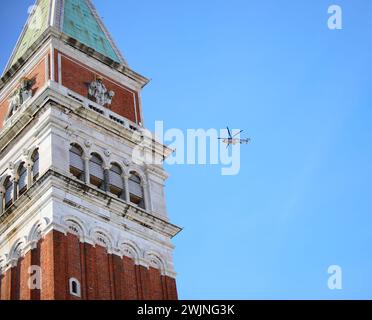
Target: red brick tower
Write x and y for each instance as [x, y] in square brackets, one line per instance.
[79, 218]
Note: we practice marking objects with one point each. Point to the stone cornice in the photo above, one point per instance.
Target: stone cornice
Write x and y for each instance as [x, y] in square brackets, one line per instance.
[49, 96]
[53, 178]
[118, 206]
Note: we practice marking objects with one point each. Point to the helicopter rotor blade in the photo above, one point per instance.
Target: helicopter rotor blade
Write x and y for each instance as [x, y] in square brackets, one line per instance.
[238, 133]
[228, 130]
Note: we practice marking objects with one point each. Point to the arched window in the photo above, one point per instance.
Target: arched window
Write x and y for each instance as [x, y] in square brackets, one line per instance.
[8, 198]
[35, 165]
[75, 288]
[116, 184]
[22, 180]
[77, 162]
[96, 171]
[136, 190]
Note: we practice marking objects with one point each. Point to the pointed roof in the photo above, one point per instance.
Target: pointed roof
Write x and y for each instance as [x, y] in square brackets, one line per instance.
[77, 19]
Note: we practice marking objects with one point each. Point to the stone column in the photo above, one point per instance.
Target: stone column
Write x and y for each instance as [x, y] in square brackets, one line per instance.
[145, 195]
[126, 187]
[106, 178]
[29, 174]
[2, 192]
[15, 187]
[86, 169]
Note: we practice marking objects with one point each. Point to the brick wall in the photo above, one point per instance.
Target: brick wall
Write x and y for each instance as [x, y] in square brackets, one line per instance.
[77, 78]
[37, 75]
[102, 276]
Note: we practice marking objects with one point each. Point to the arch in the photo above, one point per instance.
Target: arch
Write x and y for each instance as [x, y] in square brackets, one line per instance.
[75, 226]
[4, 177]
[82, 145]
[113, 158]
[136, 175]
[155, 261]
[37, 231]
[79, 147]
[102, 238]
[30, 152]
[138, 172]
[130, 250]
[117, 164]
[16, 250]
[18, 163]
[105, 160]
[75, 287]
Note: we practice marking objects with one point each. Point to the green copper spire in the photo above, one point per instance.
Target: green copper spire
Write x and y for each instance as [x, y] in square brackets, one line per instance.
[35, 26]
[77, 19]
[81, 23]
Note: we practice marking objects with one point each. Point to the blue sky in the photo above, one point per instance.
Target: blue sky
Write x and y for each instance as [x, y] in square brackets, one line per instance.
[303, 93]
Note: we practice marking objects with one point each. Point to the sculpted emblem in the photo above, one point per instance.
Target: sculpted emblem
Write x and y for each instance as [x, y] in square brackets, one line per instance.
[20, 96]
[99, 93]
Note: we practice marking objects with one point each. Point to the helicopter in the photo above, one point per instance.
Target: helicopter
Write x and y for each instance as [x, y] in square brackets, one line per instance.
[231, 140]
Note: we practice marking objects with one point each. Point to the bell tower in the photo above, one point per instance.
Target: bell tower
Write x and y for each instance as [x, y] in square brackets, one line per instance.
[80, 216]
